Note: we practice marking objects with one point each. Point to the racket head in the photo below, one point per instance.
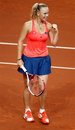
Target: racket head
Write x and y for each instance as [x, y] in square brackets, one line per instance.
[36, 85]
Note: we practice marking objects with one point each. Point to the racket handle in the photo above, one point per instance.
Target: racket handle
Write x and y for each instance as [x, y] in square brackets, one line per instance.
[23, 68]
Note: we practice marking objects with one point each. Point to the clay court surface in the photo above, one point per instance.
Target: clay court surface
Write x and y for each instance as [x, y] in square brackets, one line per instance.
[60, 103]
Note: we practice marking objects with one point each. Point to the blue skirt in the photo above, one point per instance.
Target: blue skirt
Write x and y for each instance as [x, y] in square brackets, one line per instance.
[37, 65]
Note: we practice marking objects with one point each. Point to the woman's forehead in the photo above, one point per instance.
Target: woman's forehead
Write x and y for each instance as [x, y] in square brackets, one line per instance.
[44, 9]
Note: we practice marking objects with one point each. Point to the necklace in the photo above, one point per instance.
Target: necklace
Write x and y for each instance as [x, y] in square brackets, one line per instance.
[41, 27]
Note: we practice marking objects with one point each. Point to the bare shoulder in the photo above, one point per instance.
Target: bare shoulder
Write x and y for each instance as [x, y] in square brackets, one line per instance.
[49, 25]
[27, 25]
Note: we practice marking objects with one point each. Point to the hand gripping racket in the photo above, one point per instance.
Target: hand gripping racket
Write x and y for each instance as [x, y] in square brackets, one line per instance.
[36, 85]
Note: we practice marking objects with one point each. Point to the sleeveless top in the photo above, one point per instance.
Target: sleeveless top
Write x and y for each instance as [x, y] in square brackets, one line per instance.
[36, 43]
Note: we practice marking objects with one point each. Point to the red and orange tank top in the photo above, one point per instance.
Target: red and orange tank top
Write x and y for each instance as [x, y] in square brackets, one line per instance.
[36, 43]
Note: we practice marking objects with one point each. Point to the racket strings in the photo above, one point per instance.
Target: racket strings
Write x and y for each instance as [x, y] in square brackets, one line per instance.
[36, 85]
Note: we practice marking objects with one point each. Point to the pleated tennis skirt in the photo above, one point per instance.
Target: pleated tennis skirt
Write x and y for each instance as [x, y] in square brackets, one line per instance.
[37, 65]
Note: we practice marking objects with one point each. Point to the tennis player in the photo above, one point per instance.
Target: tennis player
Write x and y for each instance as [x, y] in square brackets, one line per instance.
[35, 56]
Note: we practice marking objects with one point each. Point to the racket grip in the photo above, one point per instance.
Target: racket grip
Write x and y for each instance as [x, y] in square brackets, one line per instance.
[23, 68]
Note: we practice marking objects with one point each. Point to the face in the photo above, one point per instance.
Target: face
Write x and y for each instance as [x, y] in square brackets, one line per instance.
[43, 13]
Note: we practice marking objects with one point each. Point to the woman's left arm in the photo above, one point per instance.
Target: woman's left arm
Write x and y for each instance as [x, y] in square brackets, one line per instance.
[53, 34]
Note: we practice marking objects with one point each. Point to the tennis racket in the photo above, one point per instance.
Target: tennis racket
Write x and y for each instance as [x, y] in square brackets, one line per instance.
[36, 85]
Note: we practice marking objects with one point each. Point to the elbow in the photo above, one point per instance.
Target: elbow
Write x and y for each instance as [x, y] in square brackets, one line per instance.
[54, 42]
[20, 42]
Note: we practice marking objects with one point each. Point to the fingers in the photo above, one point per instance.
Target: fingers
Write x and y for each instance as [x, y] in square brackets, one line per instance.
[54, 26]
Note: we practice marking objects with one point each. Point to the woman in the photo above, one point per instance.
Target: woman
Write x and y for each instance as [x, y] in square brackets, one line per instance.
[35, 55]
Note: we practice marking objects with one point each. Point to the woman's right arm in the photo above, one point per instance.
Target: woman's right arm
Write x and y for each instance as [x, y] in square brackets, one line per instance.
[20, 43]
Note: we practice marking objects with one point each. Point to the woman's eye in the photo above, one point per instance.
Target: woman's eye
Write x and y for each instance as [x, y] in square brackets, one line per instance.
[46, 13]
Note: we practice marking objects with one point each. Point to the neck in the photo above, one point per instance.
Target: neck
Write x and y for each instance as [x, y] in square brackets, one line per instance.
[39, 21]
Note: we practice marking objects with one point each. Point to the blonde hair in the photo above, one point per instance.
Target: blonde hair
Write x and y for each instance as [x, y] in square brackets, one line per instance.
[35, 8]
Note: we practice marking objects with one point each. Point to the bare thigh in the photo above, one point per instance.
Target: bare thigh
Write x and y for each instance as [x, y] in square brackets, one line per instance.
[44, 78]
[25, 81]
